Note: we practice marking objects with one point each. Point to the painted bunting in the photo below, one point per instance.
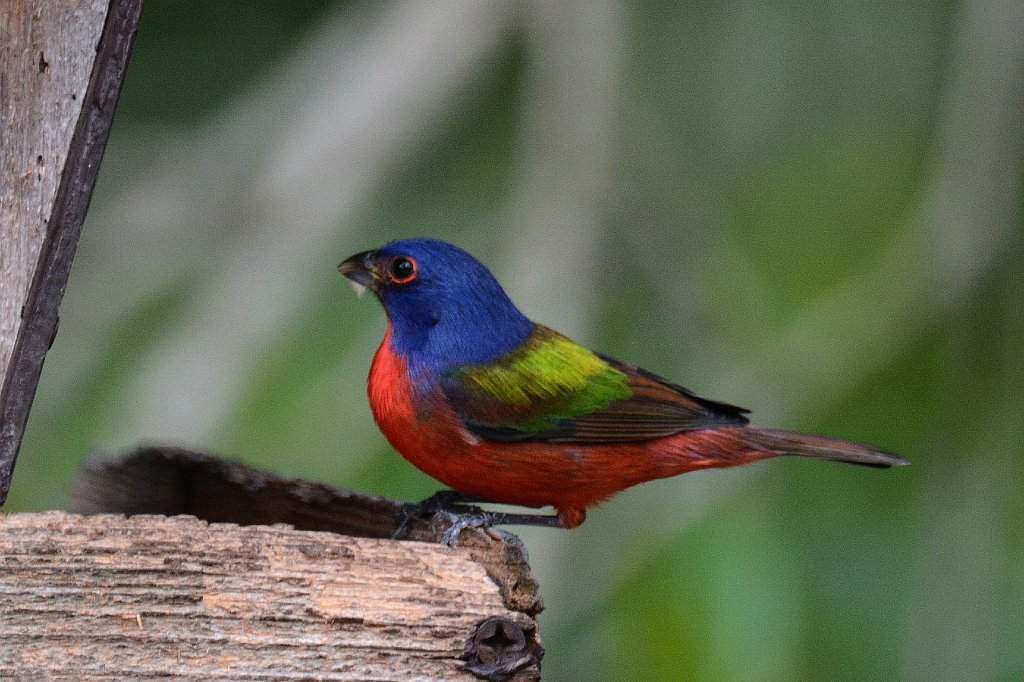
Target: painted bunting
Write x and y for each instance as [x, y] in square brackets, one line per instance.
[505, 410]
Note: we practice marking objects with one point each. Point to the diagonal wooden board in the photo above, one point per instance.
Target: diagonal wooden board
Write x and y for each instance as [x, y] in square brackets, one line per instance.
[61, 69]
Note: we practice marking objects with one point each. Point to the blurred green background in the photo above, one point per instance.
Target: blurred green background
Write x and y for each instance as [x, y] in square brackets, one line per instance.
[809, 209]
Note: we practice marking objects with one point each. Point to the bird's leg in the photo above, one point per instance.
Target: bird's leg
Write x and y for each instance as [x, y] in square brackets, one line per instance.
[538, 520]
[446, 499]
[479, 518]
[451, 502]
[459, 511]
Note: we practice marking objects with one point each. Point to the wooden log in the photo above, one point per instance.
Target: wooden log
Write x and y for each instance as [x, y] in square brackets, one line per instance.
[171, 481]
[106, 597]
[61, 69]
[278, 579]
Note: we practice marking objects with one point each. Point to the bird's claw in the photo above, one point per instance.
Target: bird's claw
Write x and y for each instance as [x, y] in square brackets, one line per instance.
[446, 506]
[454, 524]
[456, 512]
[447, 509]
[474, 517]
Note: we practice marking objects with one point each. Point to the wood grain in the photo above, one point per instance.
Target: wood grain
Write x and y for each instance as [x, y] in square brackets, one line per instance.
[110, 598]
[46, 56]
[62, 64]
[172, 480]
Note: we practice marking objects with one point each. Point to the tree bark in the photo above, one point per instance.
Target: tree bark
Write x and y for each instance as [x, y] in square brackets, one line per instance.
[266, 578]
[112, 598]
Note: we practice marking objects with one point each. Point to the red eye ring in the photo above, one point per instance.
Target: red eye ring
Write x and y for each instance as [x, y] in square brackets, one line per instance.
[402, 269]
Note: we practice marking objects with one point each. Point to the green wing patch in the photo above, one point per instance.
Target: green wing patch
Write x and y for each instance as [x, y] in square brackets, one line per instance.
[547, 380]
[554, 390]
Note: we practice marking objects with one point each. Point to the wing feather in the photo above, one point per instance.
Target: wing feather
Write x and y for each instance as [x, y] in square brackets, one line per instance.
[553, 390]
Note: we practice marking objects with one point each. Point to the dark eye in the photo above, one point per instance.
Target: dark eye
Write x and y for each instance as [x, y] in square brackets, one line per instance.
[402, 270]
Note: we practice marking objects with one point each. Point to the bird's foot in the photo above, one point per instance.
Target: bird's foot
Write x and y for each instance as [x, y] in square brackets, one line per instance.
[454, 523]
[447, 503]
[456, 512]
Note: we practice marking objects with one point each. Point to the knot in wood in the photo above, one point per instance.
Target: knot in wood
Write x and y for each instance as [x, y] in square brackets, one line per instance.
[500, 647]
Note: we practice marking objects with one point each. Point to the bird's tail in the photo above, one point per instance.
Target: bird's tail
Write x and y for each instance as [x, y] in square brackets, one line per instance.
[780, 443]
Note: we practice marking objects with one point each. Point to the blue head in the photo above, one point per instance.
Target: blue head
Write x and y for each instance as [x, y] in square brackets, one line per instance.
[445, 308]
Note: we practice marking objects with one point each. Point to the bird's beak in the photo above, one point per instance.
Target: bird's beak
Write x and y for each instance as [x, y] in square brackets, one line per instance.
[362, 270]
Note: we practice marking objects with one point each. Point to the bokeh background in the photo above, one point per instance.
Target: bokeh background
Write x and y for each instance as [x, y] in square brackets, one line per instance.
[809, 209]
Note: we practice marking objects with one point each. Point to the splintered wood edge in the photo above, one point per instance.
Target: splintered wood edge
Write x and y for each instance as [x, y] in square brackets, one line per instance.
[106, 597]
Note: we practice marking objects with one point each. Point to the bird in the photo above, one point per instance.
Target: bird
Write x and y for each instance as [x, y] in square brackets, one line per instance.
[505, 410]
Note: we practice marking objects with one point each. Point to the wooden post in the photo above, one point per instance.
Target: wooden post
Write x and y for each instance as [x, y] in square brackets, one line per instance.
[61, 68]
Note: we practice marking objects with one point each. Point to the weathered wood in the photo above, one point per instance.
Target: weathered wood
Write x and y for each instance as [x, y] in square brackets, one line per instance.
[111, 598]
[46, 56]
[169, 481]
[61, 69]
